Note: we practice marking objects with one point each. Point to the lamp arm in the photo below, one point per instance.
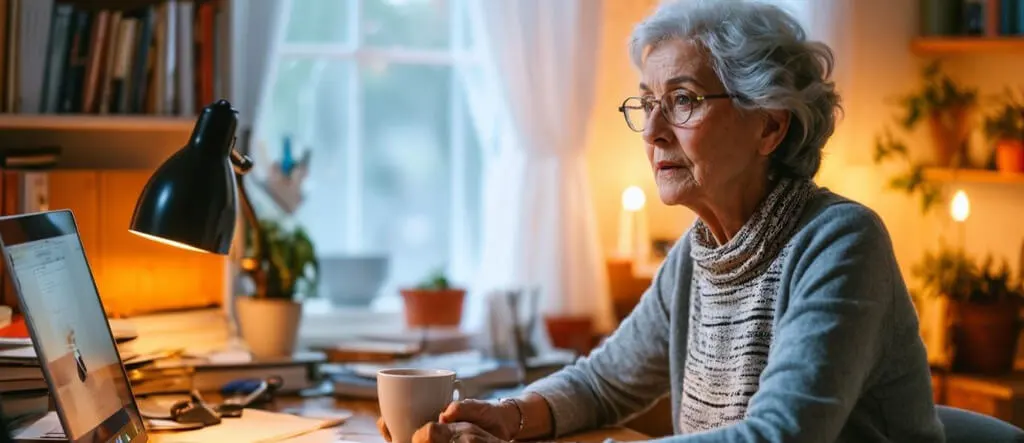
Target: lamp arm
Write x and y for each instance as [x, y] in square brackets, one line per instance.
[252, 264]
[242, 163]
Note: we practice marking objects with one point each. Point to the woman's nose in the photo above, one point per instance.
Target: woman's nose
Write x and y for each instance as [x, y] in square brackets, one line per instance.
[657, 130]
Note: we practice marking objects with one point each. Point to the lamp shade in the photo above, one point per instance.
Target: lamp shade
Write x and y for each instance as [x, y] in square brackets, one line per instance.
[191, 199]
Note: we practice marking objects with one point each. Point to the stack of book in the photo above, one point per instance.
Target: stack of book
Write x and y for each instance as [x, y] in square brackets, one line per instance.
[155, 363]
[22, 386]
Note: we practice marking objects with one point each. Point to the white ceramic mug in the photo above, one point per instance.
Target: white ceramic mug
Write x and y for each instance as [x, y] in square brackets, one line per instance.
[411, 398]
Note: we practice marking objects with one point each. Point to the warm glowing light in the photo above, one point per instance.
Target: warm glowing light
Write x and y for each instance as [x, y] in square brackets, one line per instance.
[960, 208]
[167, 242]
[633, 199]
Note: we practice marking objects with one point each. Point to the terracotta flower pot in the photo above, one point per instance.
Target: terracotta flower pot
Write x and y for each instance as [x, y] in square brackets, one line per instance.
[950, 129]
[1010, 156]
[985, 336]
[571, 332]
[429, 307]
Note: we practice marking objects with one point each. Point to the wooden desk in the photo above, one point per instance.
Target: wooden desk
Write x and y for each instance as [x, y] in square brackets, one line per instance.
[362, 427]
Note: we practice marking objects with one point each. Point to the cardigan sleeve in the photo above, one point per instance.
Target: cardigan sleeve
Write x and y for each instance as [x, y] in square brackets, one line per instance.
[626, 373]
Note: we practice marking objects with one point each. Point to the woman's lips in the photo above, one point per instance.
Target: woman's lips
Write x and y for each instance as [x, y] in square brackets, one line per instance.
[666, 166]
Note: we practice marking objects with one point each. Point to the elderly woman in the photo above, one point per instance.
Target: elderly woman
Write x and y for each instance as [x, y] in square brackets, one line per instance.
[781, 316]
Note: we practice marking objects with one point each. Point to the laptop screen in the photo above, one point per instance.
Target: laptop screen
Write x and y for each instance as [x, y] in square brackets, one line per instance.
[69, 329]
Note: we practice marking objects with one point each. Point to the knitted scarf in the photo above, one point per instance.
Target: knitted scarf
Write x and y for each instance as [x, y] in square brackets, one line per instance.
[732, 308]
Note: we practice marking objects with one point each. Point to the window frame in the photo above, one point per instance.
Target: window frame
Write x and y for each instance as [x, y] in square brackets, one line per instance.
[357, 53]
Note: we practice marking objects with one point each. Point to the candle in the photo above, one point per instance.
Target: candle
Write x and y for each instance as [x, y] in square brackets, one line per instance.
[960, 209]
[633, 224]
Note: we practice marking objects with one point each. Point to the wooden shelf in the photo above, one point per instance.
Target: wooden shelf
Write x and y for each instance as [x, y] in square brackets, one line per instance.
[81, 122]
[973, 176]
[953, 45]
[99, 141]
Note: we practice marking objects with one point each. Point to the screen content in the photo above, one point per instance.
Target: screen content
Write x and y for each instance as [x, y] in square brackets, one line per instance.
[69, 326]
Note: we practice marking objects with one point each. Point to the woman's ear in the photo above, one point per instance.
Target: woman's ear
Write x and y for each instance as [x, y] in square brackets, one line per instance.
[776, 125]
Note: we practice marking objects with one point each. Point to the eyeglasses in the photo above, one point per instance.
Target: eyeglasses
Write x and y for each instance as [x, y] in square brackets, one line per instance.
[677, 107]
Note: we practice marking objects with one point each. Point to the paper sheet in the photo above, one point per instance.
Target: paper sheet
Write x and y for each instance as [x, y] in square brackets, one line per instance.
[255, 426]
[321, 436]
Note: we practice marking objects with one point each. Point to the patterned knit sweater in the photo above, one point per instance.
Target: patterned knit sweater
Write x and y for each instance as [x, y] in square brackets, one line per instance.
[732, 306]
[799, 329]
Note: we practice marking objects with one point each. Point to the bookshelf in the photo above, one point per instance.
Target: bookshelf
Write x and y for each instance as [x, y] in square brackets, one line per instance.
[118, 99]
[947, 175]
[965, 45]
[132, 142]
[115, 84]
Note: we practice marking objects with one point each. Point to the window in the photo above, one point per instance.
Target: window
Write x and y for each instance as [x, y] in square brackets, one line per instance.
[368, 88]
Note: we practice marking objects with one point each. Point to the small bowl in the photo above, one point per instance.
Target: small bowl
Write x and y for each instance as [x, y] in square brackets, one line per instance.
[352, 280]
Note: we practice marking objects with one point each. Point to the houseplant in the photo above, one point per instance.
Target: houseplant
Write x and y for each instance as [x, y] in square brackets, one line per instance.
[1004, 128]
[983, 302]
[433, 302]
[284, 270]
[946, 106]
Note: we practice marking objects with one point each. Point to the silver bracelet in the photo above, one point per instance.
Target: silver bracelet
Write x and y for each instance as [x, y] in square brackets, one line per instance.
[522, 417]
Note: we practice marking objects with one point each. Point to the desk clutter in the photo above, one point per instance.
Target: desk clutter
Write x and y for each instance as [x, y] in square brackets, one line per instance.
[170, 380]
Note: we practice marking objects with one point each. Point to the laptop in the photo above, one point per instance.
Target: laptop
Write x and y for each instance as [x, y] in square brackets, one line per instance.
[65, 317]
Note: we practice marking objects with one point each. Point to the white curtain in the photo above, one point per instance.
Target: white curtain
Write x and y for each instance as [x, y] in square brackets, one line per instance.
[257, 28]
[531, 90]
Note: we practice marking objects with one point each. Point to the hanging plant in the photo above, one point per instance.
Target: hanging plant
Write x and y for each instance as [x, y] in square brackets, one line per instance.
[912, 180]
[944, 104]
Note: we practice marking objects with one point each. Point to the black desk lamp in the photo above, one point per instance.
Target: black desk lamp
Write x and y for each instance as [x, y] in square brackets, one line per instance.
[191, 200]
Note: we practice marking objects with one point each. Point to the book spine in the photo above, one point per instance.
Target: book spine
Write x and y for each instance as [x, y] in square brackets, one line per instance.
[185, 70]
[122, 66]
[95, 61]
[110, 55]
[142, 62]
[34, 35]
[13, 57]
[170, 36]
[993, 18]
[1007, 16]
[56, 55]
[74, 72]
[1018, 14]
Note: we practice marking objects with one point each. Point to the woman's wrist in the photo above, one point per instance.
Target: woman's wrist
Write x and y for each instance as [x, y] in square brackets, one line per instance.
[512, 418]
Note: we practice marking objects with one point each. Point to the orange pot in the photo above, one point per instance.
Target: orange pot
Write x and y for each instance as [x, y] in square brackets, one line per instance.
[424, 307]
[1010, 156]
[571, 332]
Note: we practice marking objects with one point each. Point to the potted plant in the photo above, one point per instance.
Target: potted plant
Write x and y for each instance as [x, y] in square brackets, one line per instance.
[1004, 128]
[984, 304]
[946, 106]
[433, 302]
[283, 266]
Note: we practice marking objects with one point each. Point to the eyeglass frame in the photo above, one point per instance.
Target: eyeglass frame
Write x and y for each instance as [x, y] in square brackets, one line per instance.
[699, 99]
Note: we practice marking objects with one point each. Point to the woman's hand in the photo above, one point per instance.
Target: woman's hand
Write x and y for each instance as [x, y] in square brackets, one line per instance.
[500, 421]
[460, 432]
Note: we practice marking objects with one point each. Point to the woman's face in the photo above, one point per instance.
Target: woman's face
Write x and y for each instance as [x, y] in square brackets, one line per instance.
[720, 147]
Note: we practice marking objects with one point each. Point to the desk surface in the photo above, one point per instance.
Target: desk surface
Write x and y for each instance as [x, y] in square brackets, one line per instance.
[362, 427]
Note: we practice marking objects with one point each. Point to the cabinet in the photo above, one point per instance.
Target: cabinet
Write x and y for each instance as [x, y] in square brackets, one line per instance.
[1000, 397]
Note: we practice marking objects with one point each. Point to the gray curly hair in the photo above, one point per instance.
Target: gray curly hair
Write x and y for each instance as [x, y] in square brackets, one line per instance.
[761, 53]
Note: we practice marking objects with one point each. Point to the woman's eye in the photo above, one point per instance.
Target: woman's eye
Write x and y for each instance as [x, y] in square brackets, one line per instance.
[682, 99]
